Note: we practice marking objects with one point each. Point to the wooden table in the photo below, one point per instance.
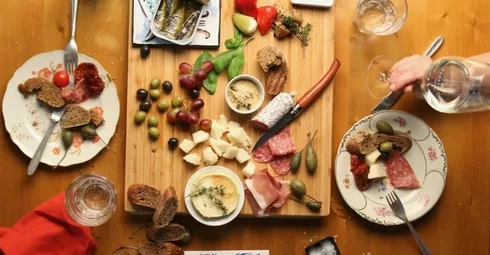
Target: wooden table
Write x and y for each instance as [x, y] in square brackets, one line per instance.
[459, 224]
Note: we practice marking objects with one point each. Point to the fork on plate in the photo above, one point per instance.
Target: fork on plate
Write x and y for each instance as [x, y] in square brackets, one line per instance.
[71, 50]
[397, 207]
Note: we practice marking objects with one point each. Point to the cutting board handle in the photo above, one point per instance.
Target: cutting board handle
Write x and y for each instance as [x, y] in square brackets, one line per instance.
[316, 90]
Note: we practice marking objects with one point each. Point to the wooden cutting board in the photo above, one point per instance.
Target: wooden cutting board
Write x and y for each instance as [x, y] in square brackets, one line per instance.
[152, 163]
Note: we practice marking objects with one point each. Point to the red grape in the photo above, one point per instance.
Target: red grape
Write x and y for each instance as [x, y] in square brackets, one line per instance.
[201, 75]
[192, 118]
[171, 115]
[181, 116]
[197, 104]
[207, 66]
[188, 81]
[185, 68]
[205, 124]
[198, 84]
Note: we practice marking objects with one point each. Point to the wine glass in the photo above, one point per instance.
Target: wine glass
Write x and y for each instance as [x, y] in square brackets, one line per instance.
[380, 17]
[378, 76]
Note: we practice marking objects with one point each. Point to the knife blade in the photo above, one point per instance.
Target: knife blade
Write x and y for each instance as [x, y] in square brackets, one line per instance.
[305, 101]
[391, 99]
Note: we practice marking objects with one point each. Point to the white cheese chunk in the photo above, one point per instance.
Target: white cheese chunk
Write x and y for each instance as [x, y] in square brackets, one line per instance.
[242, 156]
[222, 120]
[200, 136]
[231, 152]
[238, 137]
[222, 145]
[372, 157]
[233, 124]
[217, 129]
[209, 157]
[214, 145]
[193, 159]
[249, 169]
[187, 145]
[376, 171]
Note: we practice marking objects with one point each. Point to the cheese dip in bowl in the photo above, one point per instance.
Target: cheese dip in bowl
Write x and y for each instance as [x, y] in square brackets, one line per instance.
[244, 94]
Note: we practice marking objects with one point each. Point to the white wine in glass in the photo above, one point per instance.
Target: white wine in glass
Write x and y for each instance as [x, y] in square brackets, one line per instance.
[378, 77]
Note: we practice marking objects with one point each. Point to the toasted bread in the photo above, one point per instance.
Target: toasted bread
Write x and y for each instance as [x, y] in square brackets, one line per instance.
[50, 95]
[150, 248]
[364, 143]
[96, 117]
[277, 78]
[400, 140]
[75, 116]
[171, 233]
[144, 195]
[269, 57]
[31, 85]
[166, 209]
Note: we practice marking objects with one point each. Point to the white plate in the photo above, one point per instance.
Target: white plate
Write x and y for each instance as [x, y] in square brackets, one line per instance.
[214, 170]
[26, 120]
[426, 157]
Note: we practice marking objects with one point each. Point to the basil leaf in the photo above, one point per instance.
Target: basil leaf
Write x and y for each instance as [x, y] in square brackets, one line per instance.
[211, 82]
[234, 42]
[236, 65]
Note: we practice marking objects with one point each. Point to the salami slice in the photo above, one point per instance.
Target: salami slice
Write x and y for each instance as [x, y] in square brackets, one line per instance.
[263, 154]
[282, 143]
[280, 164]
[400, 173]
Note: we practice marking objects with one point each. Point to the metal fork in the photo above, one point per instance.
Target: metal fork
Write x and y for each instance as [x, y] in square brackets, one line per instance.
[397, 207]
[71, 49]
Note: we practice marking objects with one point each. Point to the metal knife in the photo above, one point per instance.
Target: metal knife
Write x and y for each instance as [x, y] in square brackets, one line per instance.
[55, 117]
[302, 104]
[390, 100]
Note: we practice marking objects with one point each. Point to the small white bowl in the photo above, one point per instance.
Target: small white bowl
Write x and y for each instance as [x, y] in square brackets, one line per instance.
[259, 86]
[214, 170]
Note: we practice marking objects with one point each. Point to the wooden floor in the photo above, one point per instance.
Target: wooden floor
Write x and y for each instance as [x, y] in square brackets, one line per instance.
[459, 224]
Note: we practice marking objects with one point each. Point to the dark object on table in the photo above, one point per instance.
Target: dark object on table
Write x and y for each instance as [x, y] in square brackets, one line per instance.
[144, 51]
[325, 246]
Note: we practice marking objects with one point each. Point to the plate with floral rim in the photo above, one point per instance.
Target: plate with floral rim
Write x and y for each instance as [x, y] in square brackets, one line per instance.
[427, 158]
[27, 120]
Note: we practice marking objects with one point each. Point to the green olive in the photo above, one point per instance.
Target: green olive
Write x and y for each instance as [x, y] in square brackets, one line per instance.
[88, 131]
[384, 127]
[187, 237]
[154, 133]
[177, 102]
[152, 121]
[154, 94]
[155, 83]
[386, 147]
[163, 105]
[139, 117]
[298, 187]
[314, 205]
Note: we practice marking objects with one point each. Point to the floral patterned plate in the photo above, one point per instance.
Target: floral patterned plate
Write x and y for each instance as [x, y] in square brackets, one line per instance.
[426, 157]
[27, 120]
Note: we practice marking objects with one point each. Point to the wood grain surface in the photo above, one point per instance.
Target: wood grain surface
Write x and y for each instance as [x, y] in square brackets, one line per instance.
[458, 224]
[307, 66]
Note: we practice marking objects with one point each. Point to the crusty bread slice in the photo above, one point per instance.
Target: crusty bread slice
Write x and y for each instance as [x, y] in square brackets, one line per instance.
[269, 57]
[166, 209]
[96, 117]
[50, 95]
[171, 233]
[364, 143]
[144, 195]
[150, 248]
[75, 116]
[400, 140]
[32, 84]
[277, 78]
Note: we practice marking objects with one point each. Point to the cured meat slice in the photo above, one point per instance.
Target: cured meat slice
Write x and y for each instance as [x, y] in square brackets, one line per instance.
[274, 111]
[262, 189]
[282, 143]
[263, 154]
[400, 173]
[76, 95]
[285, 193]
[281, 164]
[255, 207]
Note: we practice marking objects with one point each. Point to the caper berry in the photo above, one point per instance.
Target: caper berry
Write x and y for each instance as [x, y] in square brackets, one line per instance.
[298, 187]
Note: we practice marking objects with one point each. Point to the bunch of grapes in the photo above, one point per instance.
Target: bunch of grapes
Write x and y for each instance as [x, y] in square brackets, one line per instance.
[184, 115]
[193, 79]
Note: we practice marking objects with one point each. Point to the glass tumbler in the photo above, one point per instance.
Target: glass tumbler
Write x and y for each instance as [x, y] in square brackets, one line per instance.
[380, 17]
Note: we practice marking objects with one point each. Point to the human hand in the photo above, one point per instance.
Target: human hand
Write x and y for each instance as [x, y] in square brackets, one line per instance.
[407, 71]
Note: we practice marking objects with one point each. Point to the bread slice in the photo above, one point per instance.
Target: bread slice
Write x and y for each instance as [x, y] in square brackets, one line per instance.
[150, 248]
[75, 116]
[50, 95]
[277, 78]
[96, 117]
[269, 57]
[400, 140]
[171, 233]
[364, 143]
[31, 85]
[144, 195]
[166, 209]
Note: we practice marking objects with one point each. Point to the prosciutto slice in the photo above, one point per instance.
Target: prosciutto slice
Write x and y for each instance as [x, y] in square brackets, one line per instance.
[400, 172]
[285, 193]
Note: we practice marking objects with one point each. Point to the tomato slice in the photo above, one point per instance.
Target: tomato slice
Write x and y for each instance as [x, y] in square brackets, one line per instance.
[61, 79]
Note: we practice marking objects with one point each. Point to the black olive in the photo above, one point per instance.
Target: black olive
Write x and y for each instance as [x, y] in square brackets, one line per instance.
[141, 94]
[145, 106]
[173, 143]
[144, 51]
[194, 93]
[185, 125]
[167, 86]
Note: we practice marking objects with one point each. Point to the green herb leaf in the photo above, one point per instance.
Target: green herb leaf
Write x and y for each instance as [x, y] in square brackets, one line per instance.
[205, 56]
[211, 82]
[236, 65]
[234, 42]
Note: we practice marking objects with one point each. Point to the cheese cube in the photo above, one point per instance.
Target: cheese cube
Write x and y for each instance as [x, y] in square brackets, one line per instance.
[242, 156]
[249, 169]
[222, 145]
[239, 137]
[187, 145]
[231, 152]
[193, 159]
[372, 157]
[222, 120]
[214, 145]
[376, 171]
[233, 124]
[217, 129]
[200, 136]
[210, 158]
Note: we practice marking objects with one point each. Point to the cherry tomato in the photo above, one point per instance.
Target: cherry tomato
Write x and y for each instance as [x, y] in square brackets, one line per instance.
[61, 79]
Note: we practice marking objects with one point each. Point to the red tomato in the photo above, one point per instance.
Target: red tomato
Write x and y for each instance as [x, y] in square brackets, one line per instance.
[61, 79]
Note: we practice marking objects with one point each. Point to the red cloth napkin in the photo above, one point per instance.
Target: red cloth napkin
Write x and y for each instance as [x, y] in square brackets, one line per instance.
[48, 229]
